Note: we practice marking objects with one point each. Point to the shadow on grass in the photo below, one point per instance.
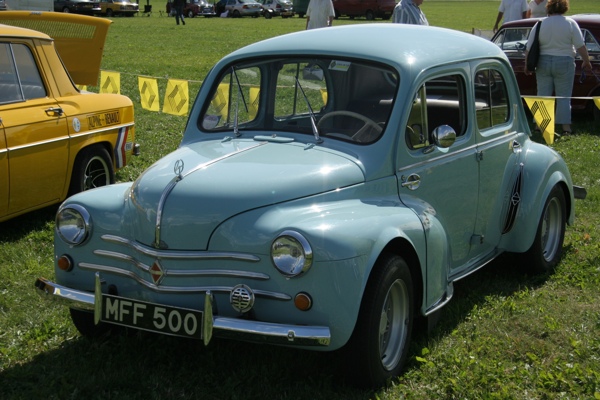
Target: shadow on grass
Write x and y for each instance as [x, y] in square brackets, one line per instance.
[16, 228]
[147, 366]
[504, 277]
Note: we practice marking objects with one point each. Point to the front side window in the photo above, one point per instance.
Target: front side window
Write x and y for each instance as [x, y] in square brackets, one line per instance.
[491, 99]
[439, 101]
[19, 77]
[343, 99]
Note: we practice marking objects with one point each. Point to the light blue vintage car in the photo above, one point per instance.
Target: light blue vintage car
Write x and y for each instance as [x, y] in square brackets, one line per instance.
[330, 188]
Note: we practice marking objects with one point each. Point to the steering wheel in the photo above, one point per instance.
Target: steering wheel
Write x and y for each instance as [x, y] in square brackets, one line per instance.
[368, 123]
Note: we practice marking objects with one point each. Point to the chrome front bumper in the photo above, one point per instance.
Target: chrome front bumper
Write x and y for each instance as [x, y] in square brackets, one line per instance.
[233, 328]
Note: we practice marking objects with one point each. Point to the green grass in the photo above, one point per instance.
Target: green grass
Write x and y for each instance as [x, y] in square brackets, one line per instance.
[504, 335]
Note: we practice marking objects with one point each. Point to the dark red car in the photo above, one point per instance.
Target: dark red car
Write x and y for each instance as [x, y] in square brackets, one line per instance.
[512, 38]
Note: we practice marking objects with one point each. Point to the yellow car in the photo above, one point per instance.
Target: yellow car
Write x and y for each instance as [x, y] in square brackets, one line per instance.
[56, 140]
[111, 8]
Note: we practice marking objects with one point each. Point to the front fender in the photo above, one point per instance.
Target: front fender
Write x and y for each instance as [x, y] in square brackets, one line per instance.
[347, 237]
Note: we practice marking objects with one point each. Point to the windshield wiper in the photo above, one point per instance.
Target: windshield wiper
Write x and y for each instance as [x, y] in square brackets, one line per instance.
[239, 92]
[313, 121]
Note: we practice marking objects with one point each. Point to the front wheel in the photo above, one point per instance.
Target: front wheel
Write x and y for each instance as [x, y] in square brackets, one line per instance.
[379, 344]
[546, 250]
[93, 168]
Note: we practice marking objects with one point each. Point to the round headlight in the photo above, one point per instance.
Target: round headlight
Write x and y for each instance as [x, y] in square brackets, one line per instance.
[73, 224]
[291, 254]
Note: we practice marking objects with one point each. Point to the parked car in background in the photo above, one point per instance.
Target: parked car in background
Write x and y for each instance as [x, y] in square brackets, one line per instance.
[243, 8]
[32, 5]
[194, 8]
[324, 196]
[370, 9]
[220, 7]
[55, 140]
[86, 7]
[300, 7]
[125, 8]
[512, 39]
[277, 8]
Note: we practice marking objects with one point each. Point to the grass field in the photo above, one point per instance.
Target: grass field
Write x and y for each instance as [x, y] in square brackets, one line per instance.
[505, 335]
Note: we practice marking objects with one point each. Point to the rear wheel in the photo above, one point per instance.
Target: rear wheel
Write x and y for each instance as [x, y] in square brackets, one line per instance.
[109, 13]
[190, 14]
[546, 250]
[369, 15]
[66, 10]
[93, 168]
[379, 344]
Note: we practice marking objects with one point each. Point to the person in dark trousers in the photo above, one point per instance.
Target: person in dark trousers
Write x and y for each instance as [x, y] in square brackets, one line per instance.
[179, 5]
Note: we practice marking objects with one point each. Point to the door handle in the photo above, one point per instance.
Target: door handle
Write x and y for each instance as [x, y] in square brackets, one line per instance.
[54, 112]
[412, 182]
[516, 146]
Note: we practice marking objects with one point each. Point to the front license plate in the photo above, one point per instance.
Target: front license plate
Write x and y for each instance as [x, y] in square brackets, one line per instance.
[151, 317]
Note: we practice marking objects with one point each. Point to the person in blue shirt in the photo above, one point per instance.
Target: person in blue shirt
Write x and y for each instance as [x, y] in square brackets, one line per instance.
[408, 12]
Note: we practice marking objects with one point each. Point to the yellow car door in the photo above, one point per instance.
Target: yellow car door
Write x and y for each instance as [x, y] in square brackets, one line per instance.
[3, 172]
[35, 130]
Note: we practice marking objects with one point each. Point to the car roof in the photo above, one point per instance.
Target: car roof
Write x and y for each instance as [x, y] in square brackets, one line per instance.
[409, 47]
[79, 39]
[583, 20]
[15, 31]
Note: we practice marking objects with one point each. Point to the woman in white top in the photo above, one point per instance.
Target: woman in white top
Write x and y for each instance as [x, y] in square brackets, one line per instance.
[559, 38]
[536, 8]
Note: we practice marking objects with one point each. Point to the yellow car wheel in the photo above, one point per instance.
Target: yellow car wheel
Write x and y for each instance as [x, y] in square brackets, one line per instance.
[93, 168]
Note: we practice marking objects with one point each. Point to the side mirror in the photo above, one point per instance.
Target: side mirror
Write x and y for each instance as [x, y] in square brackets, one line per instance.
[443, 136]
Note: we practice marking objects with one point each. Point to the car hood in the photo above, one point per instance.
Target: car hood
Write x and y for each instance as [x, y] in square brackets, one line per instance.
[179, 201]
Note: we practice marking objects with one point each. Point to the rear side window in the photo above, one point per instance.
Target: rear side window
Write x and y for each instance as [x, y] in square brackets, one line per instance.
[19, 75]
[491, 99]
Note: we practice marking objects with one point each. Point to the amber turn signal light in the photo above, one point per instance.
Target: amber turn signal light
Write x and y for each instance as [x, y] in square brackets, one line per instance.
[303, 301]
[64, 262]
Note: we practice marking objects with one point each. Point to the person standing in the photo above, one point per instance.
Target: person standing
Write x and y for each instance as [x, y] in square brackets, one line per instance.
[536, 8]
[511, 10]
[179, 6]
[560, 38]
[409, 12]
[319, 14]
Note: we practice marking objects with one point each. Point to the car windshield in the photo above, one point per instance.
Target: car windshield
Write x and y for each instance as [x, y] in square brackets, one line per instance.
[512, 39]
[326, 97]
